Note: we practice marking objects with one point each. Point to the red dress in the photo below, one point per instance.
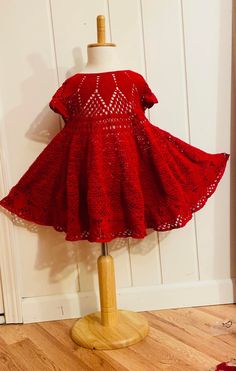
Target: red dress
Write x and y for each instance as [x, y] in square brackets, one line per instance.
[110, 172]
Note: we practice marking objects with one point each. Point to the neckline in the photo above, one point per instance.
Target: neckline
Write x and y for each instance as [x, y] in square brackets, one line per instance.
[101, 73]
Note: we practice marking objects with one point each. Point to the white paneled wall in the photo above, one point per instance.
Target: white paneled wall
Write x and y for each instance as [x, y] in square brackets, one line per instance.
[183, 49]
[164, 50]
[208, 63]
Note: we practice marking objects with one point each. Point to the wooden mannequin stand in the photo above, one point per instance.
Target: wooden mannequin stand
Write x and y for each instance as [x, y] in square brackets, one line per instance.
[110, 328]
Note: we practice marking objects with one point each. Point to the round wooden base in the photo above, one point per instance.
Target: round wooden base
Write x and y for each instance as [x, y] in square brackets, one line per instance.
[88, 331]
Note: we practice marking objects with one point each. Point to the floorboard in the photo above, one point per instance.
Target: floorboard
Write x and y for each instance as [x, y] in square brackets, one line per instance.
[191, 339]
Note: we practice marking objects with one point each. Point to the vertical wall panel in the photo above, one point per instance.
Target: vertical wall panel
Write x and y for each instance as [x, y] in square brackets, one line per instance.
[208, 51]
[145, 261]
[127, 33]
[27, 80]
[165, 65]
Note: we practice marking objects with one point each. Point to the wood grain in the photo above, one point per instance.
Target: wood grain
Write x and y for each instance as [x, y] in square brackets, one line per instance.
[179, 340]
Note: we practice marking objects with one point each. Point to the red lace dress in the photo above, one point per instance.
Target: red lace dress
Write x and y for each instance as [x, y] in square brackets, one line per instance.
[110, 172]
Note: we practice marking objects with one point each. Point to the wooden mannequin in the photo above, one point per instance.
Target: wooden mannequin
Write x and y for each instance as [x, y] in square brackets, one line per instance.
[111, 328]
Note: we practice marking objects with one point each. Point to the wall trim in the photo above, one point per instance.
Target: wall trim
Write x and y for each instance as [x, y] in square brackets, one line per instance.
[145, 298]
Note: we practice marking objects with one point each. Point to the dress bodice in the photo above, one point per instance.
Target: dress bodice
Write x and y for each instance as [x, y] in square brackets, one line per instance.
[102, 95]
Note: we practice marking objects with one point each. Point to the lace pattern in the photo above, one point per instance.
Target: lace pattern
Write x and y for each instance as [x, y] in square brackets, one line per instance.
[110, 173]
[177, 221]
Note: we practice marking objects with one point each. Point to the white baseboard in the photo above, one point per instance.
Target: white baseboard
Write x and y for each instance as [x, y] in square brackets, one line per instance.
[178, 295]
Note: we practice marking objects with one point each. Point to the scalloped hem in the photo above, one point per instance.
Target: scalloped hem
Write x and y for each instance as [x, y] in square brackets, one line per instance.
[179, 222]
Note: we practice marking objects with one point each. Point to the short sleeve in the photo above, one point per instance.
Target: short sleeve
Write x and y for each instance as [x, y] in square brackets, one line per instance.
[148, 98]
[58, 102]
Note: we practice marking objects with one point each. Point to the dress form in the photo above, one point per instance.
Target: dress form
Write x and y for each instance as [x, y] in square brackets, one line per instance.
[109, 328]
[102, 59]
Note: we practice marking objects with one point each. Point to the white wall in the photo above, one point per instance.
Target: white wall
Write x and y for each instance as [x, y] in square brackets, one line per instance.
[183, 49]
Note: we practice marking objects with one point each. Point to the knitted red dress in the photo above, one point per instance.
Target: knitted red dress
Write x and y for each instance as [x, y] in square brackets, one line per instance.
[110, 172]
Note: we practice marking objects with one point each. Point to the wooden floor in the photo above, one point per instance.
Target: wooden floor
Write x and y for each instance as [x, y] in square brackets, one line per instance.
[179, 339]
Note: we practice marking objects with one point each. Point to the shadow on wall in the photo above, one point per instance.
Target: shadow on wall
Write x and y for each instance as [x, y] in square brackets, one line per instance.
[46, 124]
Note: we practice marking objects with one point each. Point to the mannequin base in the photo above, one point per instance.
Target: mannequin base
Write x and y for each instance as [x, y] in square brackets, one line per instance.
[89, 333]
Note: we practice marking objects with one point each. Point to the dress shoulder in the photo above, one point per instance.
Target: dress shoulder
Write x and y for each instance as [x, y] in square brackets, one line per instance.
[148, 98]
[59, 100]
